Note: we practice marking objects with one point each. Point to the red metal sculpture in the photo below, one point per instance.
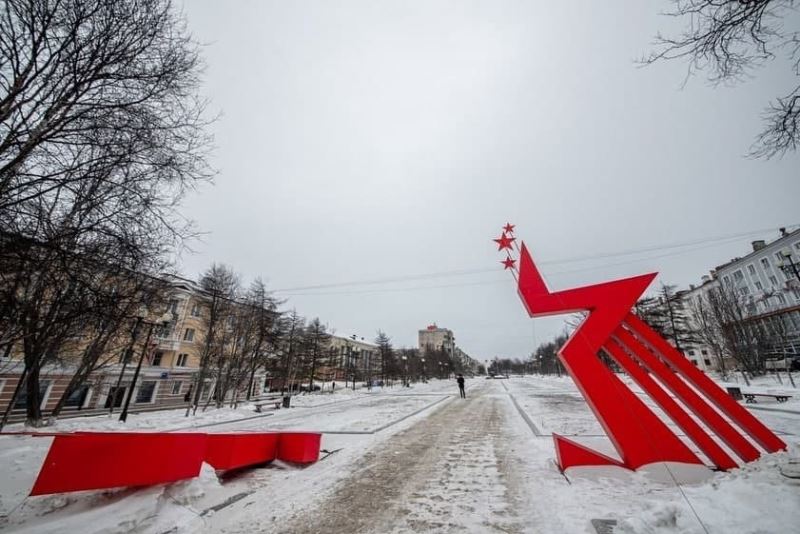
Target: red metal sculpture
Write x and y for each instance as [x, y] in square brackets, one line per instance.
[99, 460]
[637, 434]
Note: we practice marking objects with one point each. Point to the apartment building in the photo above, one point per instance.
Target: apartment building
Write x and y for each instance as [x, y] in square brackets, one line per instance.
[170, 361]
[433, 338]
[766, 282]
[352, 356]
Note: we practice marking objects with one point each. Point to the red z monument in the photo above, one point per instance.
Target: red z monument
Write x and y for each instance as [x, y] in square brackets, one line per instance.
[699, 407]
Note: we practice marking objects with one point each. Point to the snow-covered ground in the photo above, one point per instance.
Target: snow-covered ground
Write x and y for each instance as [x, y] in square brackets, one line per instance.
[421, 460]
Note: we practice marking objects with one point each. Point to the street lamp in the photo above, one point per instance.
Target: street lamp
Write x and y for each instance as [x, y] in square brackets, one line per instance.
[163, 320]
[126, 357]
[792, 268]
[424, 372]
[405, 369]
[355, 365]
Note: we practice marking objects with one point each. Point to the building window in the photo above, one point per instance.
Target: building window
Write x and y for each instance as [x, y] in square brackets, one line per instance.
[182, 360]
[779, 257]
[189, 334]
[744, 290]
[694, 362]
[176, 387]
[22, 396]
[765, 263]
[704, 352]
[773, 280]
[781, 298]
[691, 353]
[157, 357]
[196, 309]
[738, 276]
[146, 391]
[759, 286]
[77, 397]
[797, 245]
[126, 356]
[727, 280]
[707, 362]
[173, 306]
[751, 269]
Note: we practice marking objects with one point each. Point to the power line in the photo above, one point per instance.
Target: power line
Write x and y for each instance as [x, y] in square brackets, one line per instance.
[574, 259]
[692, 248]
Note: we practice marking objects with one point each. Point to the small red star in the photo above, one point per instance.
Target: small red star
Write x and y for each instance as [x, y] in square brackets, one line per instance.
[508, 228]
[509, 263]
[504, 242]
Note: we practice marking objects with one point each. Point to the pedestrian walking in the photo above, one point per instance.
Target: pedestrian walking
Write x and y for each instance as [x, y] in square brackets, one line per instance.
[460, 381]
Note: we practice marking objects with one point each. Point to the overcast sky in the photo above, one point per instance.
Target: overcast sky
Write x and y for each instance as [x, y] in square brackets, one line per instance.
[361, 141]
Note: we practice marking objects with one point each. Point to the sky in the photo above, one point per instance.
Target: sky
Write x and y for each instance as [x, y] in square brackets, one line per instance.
[371, 151]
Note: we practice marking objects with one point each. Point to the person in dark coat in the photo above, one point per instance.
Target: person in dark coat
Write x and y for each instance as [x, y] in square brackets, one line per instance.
[460, 381]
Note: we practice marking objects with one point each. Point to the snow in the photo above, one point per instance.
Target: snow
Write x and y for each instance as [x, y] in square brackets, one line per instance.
[421, 460]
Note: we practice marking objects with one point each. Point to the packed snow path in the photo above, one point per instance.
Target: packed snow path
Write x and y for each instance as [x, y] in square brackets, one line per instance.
[418, 459]
[449, 472]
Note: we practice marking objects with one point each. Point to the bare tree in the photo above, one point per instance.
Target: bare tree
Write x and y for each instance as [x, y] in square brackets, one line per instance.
[266, 329]
[101, 134]
[708, 330]
[294, 328]
[219, 285]
[730, 38]
[743, 338]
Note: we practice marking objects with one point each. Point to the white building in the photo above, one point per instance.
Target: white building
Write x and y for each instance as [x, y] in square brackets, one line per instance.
[767, 282]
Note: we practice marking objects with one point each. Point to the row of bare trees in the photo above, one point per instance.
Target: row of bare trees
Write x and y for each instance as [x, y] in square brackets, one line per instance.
[102, 131]
[728, 323]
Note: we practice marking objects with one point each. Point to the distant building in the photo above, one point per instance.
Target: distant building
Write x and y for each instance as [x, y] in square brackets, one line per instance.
[351, 356]
[442, 340]
[433, 338]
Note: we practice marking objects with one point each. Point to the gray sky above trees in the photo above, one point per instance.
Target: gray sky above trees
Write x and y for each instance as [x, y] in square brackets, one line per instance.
[371, 140]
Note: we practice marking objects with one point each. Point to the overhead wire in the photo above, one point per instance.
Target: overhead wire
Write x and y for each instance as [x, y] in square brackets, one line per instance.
[305, 290]
[695, 246]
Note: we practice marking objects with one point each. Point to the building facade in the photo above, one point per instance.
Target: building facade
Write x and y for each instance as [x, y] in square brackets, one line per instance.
[170, 362]
[765, 285]
[433, 338]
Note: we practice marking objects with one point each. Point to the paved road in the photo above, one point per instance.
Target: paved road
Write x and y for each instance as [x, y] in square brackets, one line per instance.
[451, 472]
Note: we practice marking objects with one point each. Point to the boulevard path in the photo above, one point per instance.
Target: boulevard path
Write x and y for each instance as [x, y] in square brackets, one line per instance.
[454, 471]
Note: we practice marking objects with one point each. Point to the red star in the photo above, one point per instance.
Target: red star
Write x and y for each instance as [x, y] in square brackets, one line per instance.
[504, 242]
[508, 228]
[509, 263]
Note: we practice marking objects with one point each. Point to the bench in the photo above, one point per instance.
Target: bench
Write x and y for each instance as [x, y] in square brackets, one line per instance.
[751, 397]
[267, 401]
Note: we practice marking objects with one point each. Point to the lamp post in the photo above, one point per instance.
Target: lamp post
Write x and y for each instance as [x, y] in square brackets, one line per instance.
[792, 267]
[125, 357]
[355, 365]
[165, 319]
[405, 369]
[424, 373]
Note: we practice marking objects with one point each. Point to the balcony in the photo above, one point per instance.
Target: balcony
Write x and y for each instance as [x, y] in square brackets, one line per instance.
[167, 343]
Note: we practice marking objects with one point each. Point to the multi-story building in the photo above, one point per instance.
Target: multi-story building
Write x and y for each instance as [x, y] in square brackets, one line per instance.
[434, 338]
[170, 362]
[352, 356]
[442, 340]
[766, 286]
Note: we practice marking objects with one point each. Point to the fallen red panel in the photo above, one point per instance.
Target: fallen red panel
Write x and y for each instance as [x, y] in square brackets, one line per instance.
[231, 451]
[97, 460]
[299, 447]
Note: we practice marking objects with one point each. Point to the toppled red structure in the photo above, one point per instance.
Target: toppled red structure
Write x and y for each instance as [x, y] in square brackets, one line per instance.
[99, 460]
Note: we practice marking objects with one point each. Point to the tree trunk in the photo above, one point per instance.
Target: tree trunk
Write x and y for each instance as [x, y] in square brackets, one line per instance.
[33, 408]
